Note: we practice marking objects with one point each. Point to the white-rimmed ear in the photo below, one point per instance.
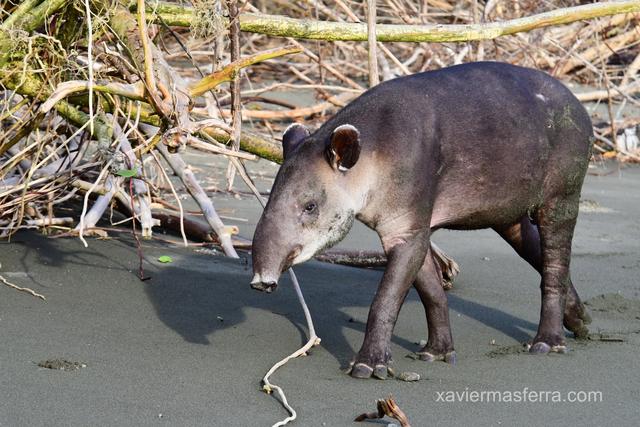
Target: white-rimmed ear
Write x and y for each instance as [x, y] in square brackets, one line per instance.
[343, 150]
[292, 137]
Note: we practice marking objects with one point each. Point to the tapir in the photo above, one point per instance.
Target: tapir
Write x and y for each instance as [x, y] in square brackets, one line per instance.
[472, 146]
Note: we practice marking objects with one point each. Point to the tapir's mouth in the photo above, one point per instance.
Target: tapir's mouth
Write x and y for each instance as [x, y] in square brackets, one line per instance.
[267, 287]
[289, 261]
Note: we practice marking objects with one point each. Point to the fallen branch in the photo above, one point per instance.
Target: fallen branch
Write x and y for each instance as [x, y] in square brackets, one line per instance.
[296, 112]
[43, 222]
[387, 407]
[280, 26]
[228, 72]
[355, 258]
[187, 177]
[101, 204]
[134, 91]
[621, 91]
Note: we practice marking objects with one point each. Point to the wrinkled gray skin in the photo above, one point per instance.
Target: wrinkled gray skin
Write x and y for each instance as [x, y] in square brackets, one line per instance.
[480, 145]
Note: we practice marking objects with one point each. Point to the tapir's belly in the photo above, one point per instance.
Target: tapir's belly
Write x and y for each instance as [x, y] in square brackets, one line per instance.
[475, 194]
[475, 211]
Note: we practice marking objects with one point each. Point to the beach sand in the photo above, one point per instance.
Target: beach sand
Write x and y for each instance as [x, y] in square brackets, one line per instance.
[189, 346]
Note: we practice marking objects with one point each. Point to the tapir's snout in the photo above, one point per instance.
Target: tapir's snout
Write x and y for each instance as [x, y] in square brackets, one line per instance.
[267, 286]
[267, 269]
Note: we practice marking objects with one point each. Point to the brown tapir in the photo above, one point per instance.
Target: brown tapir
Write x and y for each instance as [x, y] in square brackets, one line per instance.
[479, 145]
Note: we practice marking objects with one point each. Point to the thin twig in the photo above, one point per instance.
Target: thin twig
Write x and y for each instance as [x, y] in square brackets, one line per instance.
[90, 59]
[175, 195]
[85, 202]
[236, 109]
[313, 340]
[135, 235]
[146, 48]
[612, 120]
[374, 78]
[21, 289]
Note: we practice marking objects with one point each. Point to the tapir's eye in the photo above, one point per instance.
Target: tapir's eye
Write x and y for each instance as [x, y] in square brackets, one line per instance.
[310, 207]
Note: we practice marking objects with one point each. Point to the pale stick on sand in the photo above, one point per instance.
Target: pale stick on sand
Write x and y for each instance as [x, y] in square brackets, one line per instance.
[312, 342]
[35, 294]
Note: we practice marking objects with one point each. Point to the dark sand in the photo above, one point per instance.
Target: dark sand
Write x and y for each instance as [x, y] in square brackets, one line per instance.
[189, 346]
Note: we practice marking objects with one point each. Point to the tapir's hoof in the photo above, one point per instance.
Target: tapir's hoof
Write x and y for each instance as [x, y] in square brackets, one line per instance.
[575, 319]
[429, 356]
[540, 348]
[544, 348]
[380, 372]
[581, 333]
[585, 316]
[361, 370]
[364, 371]
[267, 287]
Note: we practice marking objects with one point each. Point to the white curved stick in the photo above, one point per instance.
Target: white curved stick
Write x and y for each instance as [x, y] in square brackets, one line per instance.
[312, 342]
[313, 338]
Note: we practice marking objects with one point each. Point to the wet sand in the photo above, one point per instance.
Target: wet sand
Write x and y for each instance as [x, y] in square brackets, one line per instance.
[189, 346]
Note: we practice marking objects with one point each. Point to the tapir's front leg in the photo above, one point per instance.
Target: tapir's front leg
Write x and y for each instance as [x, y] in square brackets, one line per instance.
[405, 256]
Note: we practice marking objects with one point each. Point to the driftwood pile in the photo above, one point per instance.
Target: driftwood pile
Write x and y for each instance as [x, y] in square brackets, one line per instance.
[98, 98]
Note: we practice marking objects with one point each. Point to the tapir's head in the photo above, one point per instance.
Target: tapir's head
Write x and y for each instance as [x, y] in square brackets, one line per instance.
[311, 206]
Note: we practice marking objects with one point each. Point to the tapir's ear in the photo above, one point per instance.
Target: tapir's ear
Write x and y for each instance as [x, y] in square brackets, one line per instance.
[292, 136]
[344, 149]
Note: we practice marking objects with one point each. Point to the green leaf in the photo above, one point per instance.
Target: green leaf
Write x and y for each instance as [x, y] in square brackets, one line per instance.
[165, 259]
[127, 173]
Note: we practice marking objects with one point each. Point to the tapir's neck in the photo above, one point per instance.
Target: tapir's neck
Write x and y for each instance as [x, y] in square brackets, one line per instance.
[362, 186]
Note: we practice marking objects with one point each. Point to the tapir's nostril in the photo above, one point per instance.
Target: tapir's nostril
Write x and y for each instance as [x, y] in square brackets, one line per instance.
[267, 287]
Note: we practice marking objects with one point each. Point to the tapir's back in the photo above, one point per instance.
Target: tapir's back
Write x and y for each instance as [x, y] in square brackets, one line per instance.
[492, 135]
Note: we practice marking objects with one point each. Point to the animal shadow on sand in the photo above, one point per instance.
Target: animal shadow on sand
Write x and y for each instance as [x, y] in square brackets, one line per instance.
[193, 302]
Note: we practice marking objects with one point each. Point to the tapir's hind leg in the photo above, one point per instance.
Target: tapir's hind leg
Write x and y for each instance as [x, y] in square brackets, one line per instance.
[428, 283]
[525, 239]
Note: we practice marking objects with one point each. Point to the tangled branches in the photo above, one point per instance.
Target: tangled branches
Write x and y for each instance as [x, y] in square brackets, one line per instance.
[97, 104]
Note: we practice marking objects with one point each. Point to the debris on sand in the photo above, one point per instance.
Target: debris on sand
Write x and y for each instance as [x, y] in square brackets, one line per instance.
[387, 407]
[61, 365]
[507, 350]
[409, 376]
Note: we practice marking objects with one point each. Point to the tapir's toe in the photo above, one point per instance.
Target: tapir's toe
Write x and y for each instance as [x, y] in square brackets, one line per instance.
[576, 318]
[429, 355]
[542, 347]
[361, 370]
[364, 370]
[381, 372]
